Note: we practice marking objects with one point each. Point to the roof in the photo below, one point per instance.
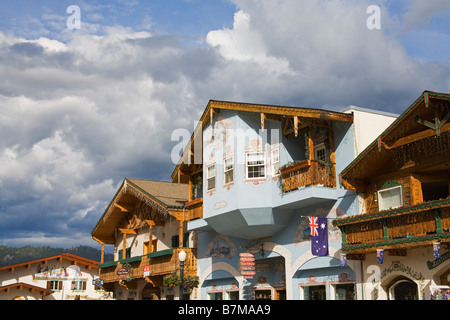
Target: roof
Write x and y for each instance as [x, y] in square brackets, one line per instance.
[266, 109]
[409, 126]
[161, 196]
[64, 256]
[22, 285]
[168, 194]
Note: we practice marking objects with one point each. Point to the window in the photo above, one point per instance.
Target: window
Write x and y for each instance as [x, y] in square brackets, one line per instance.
[127, 253]
[211, 177]
[228, 170]
[215, 296]
[176, 240]
[275, 160]
[54, 285]
[150, 247]
[320, 152]
[256, 166]
[390, 198]
[78, 285]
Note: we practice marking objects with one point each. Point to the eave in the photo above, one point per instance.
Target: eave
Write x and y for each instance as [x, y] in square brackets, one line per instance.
[409, 127]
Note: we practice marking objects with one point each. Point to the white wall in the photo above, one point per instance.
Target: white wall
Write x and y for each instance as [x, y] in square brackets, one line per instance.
[368, 125]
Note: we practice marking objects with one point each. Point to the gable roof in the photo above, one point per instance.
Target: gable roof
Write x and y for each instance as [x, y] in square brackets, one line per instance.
[64, 256]
[264, 109]
[428, 110]
[23, 285]
[161, 196]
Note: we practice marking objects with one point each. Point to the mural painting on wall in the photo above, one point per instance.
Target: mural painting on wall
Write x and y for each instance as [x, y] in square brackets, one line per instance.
[220, 248]
[220, 134]
[303, 234]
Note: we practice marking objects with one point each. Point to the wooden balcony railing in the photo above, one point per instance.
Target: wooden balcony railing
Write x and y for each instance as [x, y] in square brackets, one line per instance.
[308, 173]
[195, 209]
[399, 228]
[158, 263]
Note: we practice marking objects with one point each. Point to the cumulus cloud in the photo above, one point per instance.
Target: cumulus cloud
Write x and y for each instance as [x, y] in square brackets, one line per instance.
[81, 111]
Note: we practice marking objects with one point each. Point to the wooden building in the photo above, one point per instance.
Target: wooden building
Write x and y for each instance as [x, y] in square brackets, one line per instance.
[146, 223]
[403, 181]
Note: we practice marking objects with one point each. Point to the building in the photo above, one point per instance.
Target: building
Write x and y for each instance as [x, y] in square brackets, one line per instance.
[401, 232]
[62, 277]
[255, 174]
[146, 222]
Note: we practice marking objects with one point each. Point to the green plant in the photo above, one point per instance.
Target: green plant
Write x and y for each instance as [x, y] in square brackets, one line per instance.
[190, 282]
[172, 280]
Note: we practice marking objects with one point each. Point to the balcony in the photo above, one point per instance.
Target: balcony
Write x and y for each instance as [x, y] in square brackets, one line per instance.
[158, 263]
[308, 173]
[394, 229]
[194, 209]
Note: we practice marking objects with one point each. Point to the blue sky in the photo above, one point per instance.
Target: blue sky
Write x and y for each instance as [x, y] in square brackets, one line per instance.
[82, 109]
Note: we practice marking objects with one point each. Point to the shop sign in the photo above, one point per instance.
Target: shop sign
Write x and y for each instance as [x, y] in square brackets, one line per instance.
[146, 271]
[433, 264]
[122, 272]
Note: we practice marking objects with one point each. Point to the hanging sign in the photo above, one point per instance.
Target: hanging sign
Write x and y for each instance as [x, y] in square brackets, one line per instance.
[247, 267]
[146, 271]
[122, 272]
[97, 282]
[247, 264]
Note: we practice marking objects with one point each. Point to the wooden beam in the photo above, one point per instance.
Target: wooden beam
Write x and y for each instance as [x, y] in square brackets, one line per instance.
[127, 231]
[310, 144]
[262, 121]
[416, 137]
[120, 207]
[154, 223]
[296, 126]
[124, 247]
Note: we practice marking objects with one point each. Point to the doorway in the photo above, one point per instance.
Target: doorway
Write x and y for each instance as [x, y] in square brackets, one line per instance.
[151, 293]
[403, 289]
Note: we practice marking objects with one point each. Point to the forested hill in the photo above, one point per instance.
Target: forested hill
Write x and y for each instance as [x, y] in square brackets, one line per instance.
[13, 255]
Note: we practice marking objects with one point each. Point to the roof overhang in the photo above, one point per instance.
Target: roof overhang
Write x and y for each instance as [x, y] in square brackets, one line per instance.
[426, 117]
[124, 201]
[22, 286]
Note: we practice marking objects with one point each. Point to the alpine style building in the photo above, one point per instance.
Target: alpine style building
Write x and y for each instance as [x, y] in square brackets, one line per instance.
[277, 202]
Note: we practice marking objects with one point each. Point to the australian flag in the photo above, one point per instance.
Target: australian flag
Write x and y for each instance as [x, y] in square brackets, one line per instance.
[319, 236]
[380, 256]
[436, 249]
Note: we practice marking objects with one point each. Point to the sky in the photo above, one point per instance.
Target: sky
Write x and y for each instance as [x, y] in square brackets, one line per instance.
[84, 106]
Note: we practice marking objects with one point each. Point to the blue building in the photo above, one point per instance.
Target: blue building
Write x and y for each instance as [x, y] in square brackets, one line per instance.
[257, 173]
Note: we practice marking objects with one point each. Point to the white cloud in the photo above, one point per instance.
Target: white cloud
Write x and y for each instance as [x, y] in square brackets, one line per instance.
[79, 114]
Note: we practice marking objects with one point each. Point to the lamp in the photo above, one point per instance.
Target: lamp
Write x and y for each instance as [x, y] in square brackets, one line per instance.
[182, 258]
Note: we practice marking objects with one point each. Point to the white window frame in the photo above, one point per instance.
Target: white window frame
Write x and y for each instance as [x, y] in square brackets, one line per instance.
[208, 177]
[275, 152]
[247, 166]
[380, 198]
[77, 285]
[318, 148]
[54, 285]
[227, 169]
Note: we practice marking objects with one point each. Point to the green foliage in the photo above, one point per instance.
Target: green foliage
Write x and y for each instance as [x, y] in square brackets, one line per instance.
[13, 255]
